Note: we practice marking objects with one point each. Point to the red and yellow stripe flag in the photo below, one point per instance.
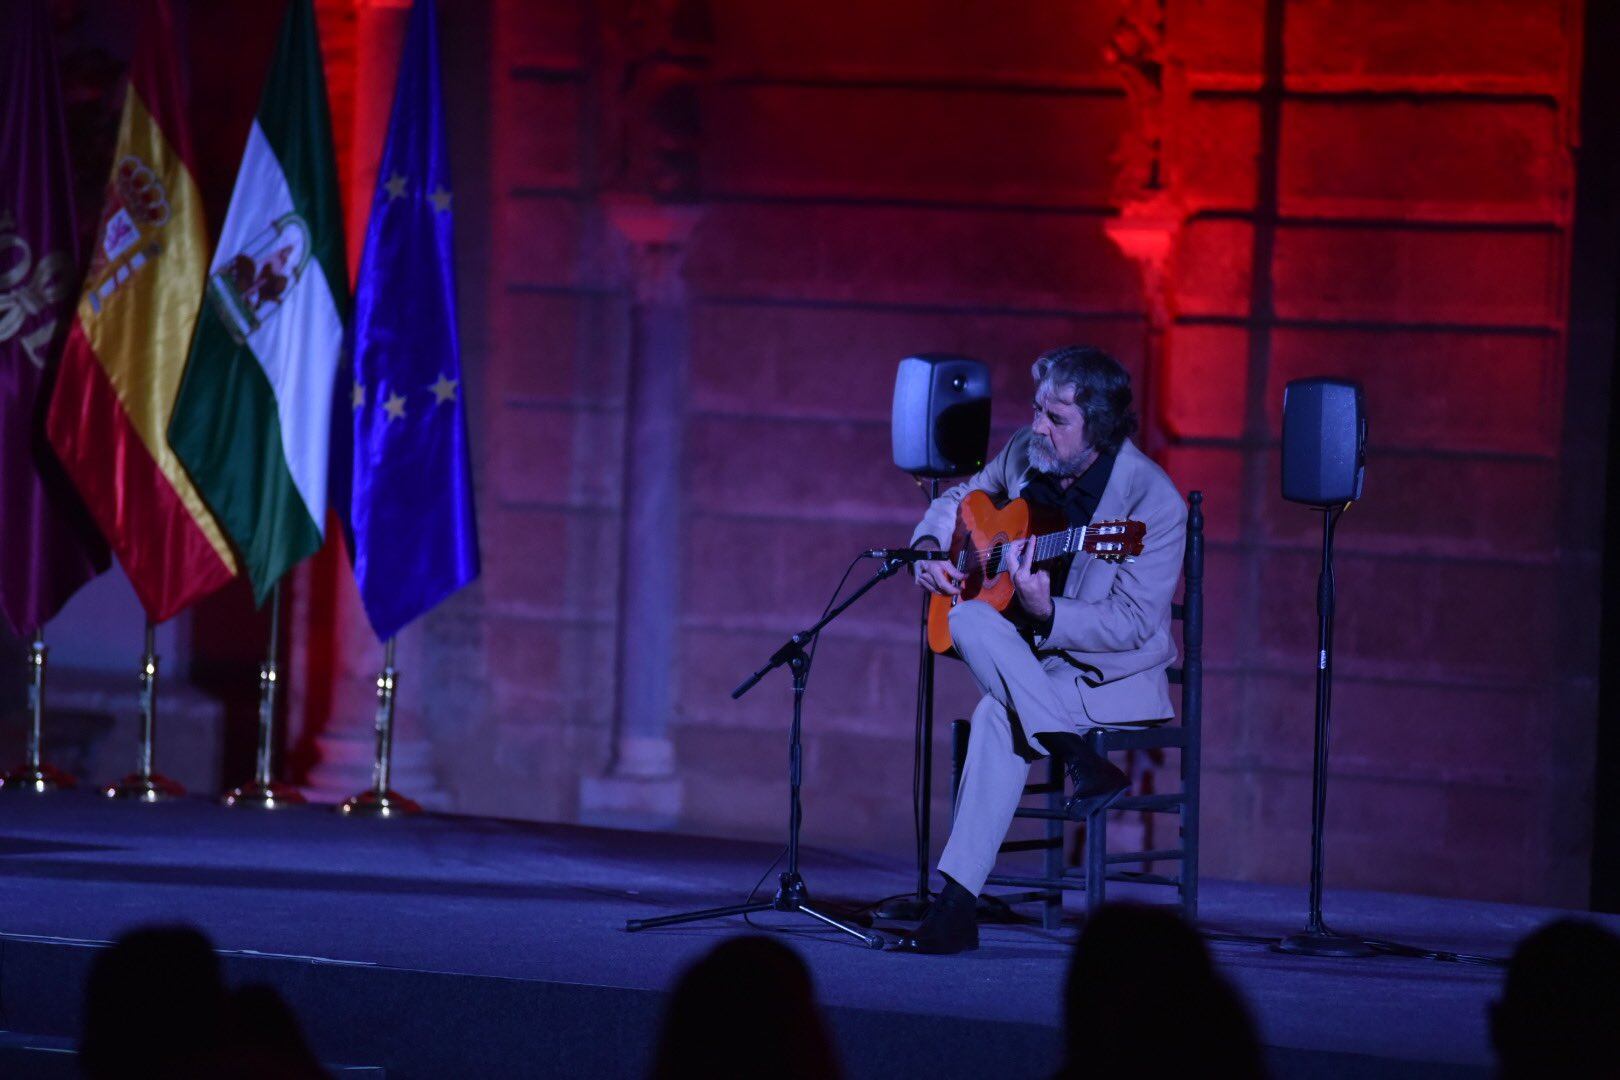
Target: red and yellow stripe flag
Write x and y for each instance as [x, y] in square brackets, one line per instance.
[120, 373]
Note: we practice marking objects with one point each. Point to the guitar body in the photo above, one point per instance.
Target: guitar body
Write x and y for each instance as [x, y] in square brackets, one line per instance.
[980, 527]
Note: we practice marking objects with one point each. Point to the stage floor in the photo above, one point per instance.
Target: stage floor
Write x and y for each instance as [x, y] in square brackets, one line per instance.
[449, 945]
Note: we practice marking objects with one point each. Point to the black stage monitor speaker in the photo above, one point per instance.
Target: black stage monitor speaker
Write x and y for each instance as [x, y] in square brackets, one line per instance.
[1324, 441]
[941, 420]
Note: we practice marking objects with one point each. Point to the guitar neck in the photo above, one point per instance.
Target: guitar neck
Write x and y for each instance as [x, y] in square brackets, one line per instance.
[1053, 545]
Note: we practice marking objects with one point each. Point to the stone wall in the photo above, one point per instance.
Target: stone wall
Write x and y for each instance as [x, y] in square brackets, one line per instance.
[1375, 190]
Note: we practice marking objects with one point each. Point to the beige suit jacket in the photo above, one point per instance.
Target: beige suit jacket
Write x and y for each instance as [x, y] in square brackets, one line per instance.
[1112, 621]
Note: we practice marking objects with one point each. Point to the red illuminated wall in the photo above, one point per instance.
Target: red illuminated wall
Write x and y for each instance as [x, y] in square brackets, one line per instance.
[866, 181]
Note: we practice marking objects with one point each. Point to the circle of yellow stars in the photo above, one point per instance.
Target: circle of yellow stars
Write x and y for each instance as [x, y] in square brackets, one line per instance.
[444, 392]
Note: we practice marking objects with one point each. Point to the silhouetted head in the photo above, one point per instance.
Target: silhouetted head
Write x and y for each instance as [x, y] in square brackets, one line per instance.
[154, 1006]
[746, 1009]
[264, 1040]
[1144, 999]
[1559, 1014]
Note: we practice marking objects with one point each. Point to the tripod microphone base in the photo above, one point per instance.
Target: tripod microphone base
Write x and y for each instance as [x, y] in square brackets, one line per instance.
[259, 796]
[36, 780]
[791, 895]
[1324, 943]
[152, 787]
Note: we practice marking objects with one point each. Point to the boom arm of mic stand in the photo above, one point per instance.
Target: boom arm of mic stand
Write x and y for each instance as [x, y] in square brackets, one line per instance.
[795, 644]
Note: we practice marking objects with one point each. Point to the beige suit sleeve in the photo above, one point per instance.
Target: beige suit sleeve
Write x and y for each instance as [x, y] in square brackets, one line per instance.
[939, 521]
[1139, 602]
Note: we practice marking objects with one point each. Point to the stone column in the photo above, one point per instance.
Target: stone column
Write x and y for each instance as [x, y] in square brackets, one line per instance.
[1147, 183]
[640, 788]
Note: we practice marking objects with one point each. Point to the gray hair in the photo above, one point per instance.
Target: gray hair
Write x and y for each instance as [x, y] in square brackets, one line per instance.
[1102, 390]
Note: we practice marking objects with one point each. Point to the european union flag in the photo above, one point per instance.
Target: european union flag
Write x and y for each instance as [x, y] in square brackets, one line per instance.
[413, 535]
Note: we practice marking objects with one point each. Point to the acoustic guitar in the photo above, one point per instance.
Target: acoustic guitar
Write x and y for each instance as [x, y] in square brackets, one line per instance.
[983, 534]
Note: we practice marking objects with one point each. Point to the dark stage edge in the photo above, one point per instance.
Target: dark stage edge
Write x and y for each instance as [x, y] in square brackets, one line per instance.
[456, 946]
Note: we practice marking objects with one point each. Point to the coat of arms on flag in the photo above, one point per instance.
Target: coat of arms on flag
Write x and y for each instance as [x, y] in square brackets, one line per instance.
[249, 287]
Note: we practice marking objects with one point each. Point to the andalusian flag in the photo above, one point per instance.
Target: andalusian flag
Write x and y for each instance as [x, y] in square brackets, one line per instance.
[253, 420]
[120, 373]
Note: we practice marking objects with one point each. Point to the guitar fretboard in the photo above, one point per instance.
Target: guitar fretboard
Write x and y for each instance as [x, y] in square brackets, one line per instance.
[1049, 546]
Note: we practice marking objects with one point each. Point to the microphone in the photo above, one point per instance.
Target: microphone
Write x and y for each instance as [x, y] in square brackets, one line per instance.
[906, 555]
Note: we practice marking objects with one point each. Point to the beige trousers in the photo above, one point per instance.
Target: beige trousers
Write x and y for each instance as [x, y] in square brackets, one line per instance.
[1024, 695]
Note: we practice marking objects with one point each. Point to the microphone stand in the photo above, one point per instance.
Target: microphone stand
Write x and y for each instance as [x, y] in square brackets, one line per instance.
[914, 907]
[791, 892]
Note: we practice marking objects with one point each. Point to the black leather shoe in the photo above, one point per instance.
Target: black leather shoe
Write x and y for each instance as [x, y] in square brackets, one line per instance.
[1098, 783]
[1088, 800]
[951, 925]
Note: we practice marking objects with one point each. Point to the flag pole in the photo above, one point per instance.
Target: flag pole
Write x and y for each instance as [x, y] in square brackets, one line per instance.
[264, 792]
[382, 801]
[34, 775]
[143, 784]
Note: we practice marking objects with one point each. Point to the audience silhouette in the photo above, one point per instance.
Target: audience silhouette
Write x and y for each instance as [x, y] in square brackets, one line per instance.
[264, 1040]
[1144, 1000]
[155, 1006]
[746, 1009]
[1559, 1014]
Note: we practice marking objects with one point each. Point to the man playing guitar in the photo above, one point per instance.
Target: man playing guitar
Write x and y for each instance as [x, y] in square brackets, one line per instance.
[1054, 666]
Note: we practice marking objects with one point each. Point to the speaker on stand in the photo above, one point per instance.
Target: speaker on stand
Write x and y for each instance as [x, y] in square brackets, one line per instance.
[1324, 451]
[940, 428]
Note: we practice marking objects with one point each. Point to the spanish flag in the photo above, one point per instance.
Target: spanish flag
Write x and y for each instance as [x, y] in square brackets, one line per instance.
[126, 352]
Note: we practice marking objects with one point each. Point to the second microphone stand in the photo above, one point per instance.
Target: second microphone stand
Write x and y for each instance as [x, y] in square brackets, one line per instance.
[914, 907]
[791, 892]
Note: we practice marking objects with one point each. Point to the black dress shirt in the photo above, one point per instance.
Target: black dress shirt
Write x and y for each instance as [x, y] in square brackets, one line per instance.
[1077, 503]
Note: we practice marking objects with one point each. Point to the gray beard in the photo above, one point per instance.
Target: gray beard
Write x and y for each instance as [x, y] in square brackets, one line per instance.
[1046, 462]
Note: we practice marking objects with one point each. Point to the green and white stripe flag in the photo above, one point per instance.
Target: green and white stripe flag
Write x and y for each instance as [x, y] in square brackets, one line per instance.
[252, 423]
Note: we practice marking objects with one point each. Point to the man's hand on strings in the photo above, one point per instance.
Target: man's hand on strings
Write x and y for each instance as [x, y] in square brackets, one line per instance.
[1034, 587]
[938, 576]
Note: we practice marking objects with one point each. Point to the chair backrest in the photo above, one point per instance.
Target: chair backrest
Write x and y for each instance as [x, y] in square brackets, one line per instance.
[1189, 674]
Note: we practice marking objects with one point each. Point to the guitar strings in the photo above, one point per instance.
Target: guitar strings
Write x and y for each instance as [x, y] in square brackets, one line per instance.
[996, 551]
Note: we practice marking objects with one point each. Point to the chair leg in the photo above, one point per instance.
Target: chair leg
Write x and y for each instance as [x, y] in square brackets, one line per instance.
[1189, 853]
[1052, 857]
[1096, 859]
[1190, 793]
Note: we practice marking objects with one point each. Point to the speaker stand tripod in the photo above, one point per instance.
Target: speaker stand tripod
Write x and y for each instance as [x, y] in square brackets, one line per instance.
[1316, 939]
[791, 892]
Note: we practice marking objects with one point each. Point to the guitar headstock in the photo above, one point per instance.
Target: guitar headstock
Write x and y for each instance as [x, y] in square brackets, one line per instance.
[1114, 541]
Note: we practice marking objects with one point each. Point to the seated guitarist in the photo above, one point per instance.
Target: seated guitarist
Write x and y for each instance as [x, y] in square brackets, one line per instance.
[1054, 666]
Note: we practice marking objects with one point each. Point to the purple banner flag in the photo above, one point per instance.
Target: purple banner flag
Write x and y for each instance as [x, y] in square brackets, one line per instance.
[48, 545]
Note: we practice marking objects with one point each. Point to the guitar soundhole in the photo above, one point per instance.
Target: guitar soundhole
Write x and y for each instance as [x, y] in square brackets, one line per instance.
[997, 550]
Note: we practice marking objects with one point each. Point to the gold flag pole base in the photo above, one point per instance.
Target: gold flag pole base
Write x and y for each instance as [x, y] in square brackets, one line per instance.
[144, 785]
[263, 792]
[34, 776]
[264, 796]
[382, 801]
[379, 804]
[37, 780]
[148, 788]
